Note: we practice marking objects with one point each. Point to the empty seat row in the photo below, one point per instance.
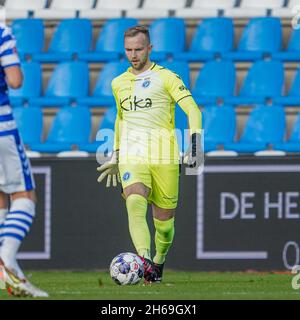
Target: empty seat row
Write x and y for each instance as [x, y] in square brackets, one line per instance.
[147, 9]
[69, 84]
[73, 37]
[265, 129]
[71, 129]
[213, 38]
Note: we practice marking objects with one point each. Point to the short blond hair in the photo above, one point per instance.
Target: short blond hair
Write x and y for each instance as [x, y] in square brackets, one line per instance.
[133, 31]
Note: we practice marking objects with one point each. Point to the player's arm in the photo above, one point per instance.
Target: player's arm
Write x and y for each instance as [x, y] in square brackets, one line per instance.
[14, 77]
[110, 168]
[189, 106]
[183, 97]
[117, 125]
[10, 60]
[193, 156]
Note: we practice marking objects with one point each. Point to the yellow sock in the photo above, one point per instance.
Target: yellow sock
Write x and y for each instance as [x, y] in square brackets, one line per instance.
[138, 227]
[164, 235]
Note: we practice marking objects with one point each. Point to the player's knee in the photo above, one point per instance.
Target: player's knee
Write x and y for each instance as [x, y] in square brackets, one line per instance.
[162, 214]
[139, 189]
[3, 200]
[25, 195]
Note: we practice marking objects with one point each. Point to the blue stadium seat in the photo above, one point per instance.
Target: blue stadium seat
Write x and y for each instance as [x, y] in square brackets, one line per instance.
[180, 67]
[264, 81]
[215, 82]
[265, 125]
[70, 127]
[167, 37]
[293, 50]
[102, 94]
[71, 37]
[293, 143]
[110, 43]
[29, 34]
[212, 37]
[104, 140]
[30, 124]
[31, 87]
[69, 81]
[219, 124]
[261, 38]
[293, 96]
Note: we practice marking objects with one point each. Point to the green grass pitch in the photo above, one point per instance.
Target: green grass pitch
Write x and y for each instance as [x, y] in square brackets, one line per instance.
[177, 285]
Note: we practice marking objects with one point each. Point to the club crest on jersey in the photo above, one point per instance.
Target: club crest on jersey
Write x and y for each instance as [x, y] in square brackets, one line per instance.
[146, 83]
[126, 176]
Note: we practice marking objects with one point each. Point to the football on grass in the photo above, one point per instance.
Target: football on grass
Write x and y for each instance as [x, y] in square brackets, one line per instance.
[126, 269]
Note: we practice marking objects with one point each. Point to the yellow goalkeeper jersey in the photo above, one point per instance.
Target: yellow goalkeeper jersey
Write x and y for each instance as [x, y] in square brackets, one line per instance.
[145, 122]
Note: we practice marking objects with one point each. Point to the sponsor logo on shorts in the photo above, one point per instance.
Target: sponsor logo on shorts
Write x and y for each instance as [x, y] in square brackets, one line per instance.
[126, 176]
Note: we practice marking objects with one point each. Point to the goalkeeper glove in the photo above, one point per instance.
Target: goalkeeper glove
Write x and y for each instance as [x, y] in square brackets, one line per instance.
[110, 170]
[194, 155]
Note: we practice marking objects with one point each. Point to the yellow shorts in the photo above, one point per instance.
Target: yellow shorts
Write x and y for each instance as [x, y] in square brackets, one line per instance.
[161, 179]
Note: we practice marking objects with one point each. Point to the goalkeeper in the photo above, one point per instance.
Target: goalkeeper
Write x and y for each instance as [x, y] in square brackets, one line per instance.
[146, 157]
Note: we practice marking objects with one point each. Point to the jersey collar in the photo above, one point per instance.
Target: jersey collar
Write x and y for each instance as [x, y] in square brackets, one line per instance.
[143, 74]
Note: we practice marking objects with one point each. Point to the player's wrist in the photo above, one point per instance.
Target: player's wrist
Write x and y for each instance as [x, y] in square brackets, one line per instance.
[115, 156]
[194, 152]
[195, 144]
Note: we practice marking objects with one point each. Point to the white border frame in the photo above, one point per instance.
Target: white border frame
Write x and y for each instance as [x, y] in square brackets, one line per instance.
[230, 255]
[46, 254]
